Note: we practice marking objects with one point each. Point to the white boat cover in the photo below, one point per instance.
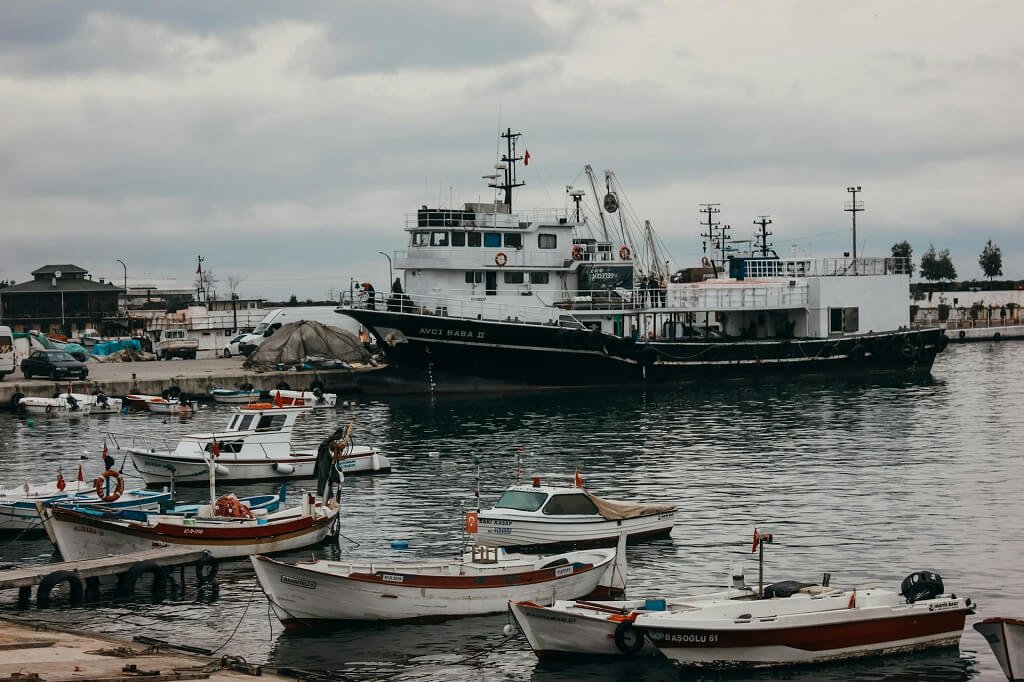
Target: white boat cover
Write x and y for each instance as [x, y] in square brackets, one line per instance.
[628, 510]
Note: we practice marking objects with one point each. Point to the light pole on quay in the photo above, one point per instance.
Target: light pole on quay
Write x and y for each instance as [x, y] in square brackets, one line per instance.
[391, 272]
[125, 284]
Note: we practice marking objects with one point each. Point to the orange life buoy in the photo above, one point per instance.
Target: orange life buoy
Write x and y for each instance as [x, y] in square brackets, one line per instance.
[100, 485]
[500, 259]
[577, 252]
[624, 252]
[472, 523]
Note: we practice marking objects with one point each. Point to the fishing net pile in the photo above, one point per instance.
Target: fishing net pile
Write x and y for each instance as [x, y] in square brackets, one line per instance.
[308, 345]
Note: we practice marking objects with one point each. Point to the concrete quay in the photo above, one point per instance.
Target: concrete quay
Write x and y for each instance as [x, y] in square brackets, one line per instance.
[194, 377]
[50, 654]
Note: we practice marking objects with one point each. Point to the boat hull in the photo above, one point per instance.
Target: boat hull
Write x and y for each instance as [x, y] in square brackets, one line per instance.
[447, 354]
[21, 514]
[1006, 638]
[53, 407]
[506, 531]
[160, 467]
[81, 536]
[303, 597]
[805, 634]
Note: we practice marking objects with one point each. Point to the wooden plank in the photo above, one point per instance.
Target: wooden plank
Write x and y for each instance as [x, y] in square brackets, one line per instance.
[28, 576]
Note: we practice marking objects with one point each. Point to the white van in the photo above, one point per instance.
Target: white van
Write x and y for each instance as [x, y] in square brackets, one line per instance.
[6, 352]
[278, 317]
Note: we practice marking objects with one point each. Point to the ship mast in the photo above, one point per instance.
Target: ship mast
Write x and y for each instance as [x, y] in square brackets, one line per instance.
[508, 165]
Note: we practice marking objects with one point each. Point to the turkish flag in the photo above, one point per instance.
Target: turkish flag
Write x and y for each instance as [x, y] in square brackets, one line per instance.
[216, 448]
[578, 479]
[526, 158]
[61, 484]
[757, 540]
[81, 475]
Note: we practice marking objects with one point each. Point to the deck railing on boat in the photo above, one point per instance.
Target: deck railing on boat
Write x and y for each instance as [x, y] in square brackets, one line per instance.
[226, 440]
[757, 268]
[477, 307]
[447, 218]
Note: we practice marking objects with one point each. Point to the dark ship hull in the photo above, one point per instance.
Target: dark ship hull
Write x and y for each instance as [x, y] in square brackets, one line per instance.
[447, 354]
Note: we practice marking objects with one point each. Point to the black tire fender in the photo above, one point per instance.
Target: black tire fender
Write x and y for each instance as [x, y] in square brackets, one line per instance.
[962, 334]
[206, 567]
[139, 569]
[47, 584]
[628, 638]
[16, 399]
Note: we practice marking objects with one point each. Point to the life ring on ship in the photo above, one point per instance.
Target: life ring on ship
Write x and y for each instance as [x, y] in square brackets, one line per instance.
[628, 639]
[100, 485]
[624, 252]
[500, 259]
[705, 262]
[577, 252]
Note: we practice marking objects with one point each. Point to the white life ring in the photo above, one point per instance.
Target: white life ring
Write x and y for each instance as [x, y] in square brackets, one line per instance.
[577, 252]
[624, 252]
[501, 259]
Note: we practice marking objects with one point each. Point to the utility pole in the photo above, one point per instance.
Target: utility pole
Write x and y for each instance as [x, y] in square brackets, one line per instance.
[199, 274]
[762, 238]
[853, 207]
[711, 235]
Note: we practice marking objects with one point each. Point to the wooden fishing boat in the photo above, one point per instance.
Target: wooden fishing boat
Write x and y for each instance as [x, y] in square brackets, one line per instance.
[482, 581]
[254, 445]
[18, 504]
[1006, 637]
[533, 516]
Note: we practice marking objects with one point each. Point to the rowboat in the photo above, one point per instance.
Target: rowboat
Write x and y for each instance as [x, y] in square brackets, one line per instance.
[161, 405]
[138, 401]
[482, 581]
[1006, 638]
[786, 623]
[56, 407]
[537, 516]
[254, 445]
[232, 396]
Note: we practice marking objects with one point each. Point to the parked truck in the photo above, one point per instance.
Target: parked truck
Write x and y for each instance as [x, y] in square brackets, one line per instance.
[175, 343]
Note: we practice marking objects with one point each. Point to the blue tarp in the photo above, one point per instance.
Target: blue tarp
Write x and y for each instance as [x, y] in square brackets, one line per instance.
[108, 347]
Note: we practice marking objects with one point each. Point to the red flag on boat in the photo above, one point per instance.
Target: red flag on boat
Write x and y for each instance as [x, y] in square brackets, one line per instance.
[278, 400]
[852, 604]
[578, 479]
[104, 448]
[472, 523]
[216, 448]
[757, 540]
[61, 483]
[81, 474]
[526, 158]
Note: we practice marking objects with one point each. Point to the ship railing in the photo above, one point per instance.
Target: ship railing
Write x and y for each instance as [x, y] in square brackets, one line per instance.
[765, 268]
[122, 441]
[731, 297]
[226, 442]
[440, 219]
[472, 305]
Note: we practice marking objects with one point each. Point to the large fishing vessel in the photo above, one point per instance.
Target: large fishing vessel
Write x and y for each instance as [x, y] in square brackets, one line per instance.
[493, 298]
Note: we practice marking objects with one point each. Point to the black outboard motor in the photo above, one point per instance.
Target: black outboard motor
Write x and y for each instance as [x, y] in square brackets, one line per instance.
[921, 585]
[319, 395]
[72, 402]
[101, 400]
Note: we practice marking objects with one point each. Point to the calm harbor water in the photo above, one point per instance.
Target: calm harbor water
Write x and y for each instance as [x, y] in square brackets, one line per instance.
[866, 480]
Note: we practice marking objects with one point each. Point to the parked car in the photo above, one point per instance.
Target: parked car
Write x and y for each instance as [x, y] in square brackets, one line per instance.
[175, 343]
[231, 348]
[56, 364]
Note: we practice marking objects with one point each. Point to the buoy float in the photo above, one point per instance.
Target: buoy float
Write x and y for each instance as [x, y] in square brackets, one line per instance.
[399, 544]
[283, 468]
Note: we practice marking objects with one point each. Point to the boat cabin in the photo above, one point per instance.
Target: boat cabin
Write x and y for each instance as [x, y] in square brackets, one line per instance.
[548, 501]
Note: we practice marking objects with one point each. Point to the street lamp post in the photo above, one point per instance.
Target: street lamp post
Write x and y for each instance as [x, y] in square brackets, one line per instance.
[125, 284]
[391, 272]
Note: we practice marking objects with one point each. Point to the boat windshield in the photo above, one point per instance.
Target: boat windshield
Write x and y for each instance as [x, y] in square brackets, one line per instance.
[522, 500]
[570, 504]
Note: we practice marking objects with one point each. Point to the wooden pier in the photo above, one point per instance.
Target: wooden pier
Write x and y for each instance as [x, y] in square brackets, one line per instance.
[83, 576]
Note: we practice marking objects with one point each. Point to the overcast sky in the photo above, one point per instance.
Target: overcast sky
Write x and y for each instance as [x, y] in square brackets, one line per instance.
[286, 142]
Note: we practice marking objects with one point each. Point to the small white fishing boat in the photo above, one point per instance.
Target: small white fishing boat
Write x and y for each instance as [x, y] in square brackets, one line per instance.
[255, 445]
[18, 504]
[67, 406]
[139, 401]
[313, 398]
[531, 516]
[483, 581]
[161, 405]
[98, 402]
[791, 624]
[234, 396]
[1006, 638]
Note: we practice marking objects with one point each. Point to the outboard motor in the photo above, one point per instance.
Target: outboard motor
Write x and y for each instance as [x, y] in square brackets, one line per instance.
[921, 585]
[101, 400]
[319, 395]
[72, 402]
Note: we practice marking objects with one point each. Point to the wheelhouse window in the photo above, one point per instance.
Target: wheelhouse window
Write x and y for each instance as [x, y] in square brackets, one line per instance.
[492, 239]
[474, 277]
[514, 240]
[539, 277]
[570, 504]
[473, 239]
[842, 320]
[246, 422]
[523, 500]
[439, 239]
[547, 241]
[420, 238]
[271, 422]
[458, 238]
[514, 277]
